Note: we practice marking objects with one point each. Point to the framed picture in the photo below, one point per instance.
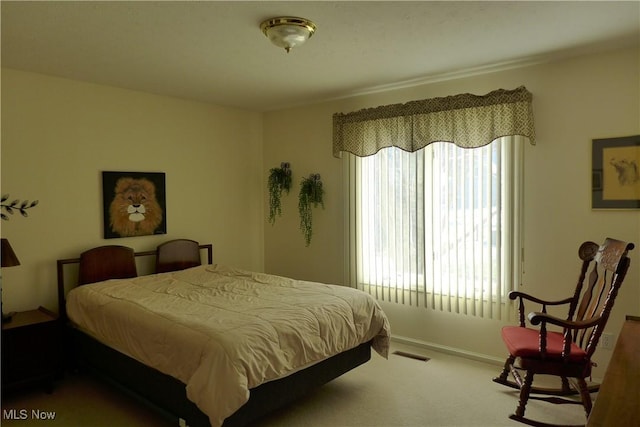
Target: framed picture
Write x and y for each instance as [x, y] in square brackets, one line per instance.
[615, 174]
[134, 204]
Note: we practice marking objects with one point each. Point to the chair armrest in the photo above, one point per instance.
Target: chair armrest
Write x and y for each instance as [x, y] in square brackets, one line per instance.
[536, 318]
[524, 296]
[517, 294]
[570, 330]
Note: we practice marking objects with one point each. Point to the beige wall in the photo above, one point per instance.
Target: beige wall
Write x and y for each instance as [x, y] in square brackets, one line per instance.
[57, 137]
[575, 101]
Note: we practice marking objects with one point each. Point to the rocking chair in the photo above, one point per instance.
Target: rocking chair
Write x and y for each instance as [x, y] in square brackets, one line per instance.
[565, 354]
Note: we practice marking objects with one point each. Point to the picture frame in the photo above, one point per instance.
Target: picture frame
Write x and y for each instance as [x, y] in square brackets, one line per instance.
[134, 204]
[615, 173]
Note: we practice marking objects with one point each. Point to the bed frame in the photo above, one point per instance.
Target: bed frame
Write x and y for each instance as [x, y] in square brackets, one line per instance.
[169, 394]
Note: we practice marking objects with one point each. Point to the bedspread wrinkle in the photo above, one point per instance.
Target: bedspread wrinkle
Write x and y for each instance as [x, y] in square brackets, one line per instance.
[223, 331]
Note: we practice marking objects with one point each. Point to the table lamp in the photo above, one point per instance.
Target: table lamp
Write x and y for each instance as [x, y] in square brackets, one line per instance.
[9, 259]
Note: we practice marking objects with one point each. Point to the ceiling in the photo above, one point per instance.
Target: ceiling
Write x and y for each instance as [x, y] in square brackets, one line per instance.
[214, 51]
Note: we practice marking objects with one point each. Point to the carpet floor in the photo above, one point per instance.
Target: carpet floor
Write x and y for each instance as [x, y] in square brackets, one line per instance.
[402, 391]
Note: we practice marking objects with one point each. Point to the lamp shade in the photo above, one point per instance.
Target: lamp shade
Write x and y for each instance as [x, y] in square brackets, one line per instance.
[288, 31]
[9, 257]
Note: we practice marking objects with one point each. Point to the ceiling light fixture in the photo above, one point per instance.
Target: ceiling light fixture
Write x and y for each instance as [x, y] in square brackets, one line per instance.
[288, 31]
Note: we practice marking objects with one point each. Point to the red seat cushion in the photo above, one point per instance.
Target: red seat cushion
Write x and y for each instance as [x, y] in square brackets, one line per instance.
[525, 343]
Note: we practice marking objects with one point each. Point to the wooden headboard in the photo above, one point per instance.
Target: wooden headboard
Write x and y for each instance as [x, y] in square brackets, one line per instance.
[61, 263]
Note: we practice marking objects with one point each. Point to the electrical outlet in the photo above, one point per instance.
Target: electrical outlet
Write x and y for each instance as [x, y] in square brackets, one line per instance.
[606, 340]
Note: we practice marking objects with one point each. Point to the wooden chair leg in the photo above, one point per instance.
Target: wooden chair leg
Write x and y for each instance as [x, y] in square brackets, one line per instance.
[504, 375]
[584, 394]
[524, 395]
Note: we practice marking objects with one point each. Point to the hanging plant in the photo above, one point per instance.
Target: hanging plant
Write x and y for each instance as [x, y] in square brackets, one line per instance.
[279, 182]
[16, 205]
[311, 193]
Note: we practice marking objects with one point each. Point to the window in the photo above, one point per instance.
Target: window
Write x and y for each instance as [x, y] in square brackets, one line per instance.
[438, 227]
[437, 223]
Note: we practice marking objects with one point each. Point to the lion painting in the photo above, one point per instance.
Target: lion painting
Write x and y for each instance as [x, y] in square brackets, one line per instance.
[134, 210]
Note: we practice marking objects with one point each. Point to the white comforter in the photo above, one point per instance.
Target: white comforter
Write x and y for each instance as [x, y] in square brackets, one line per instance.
[222, 331]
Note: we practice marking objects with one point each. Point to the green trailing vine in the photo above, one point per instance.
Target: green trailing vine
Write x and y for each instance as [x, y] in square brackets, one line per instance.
[15, 205]
[311, 193]
[279, 182]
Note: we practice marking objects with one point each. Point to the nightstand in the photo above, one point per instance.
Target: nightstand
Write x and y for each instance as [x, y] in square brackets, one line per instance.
[31, 349]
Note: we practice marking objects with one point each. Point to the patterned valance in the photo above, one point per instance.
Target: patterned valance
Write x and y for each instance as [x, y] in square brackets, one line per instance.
[466, 120]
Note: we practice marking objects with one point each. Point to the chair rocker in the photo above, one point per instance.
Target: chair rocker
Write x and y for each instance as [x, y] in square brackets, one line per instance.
[565, 354]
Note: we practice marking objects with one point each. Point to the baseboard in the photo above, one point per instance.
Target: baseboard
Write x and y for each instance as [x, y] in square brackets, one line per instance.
[448, 350]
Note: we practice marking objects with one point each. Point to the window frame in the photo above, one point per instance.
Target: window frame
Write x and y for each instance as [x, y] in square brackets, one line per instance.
[513, 175]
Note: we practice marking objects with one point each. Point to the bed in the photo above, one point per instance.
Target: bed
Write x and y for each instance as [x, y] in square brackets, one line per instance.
[216, 345]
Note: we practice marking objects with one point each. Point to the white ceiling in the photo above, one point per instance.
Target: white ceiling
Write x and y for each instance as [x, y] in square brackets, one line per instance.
[214, 51]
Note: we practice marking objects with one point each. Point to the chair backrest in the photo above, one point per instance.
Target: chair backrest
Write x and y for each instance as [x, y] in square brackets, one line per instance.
[603, 270]
[177, 254]
[106, 262]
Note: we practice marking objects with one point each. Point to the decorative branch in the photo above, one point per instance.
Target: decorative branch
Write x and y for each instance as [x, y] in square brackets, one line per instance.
[279, 182]
[15, 205]
[311, 192]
